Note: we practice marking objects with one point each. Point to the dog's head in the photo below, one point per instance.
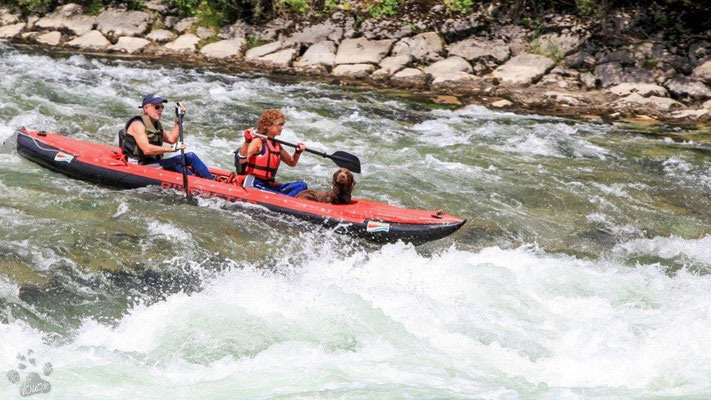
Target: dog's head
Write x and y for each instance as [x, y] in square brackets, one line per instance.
[343, 183]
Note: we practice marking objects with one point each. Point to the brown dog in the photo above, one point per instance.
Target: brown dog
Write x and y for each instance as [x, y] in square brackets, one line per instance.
[340, 193]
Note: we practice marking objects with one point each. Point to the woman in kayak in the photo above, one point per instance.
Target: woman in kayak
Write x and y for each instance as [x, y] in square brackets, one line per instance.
[261, 157]
[143, 136]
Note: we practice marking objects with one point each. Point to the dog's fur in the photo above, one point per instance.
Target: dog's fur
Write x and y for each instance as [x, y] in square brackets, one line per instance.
[340, 193]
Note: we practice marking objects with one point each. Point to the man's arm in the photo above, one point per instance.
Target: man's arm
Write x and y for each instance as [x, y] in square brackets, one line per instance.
[173, 135]
[138, 131]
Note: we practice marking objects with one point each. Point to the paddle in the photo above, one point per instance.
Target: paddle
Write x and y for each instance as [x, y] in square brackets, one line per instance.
[341, 158]
[179, 113]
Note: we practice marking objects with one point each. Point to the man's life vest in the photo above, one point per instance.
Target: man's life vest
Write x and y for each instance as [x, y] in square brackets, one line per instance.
[128, 145]
[265, 165]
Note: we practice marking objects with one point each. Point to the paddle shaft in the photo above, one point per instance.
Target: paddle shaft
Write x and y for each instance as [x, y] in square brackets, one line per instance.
[349, 161]
[180, 114]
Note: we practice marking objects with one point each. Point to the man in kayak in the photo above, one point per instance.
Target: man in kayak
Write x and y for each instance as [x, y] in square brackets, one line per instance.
[143, 136]
[261, 157]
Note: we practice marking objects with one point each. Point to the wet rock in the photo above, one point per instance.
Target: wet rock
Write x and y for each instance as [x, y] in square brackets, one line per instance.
[185, 24]
[239, 29]
[426, 47]
[116, 23]
[50, 38]
[161, 36]
[353, 70]
[558, 45]
[263, 50]
[635, 99]
[185, 43]
[204, 33]
[10, 31]
[687, 89]
[361, 50]
[703, 72]
[130, 45]
[316, 33]
[223, 48]
[92, 40]
[321, 53]
[282, 58]
[477, 49]
[393, 64]
[644, 89]
[410, 77]
[378, 28]
[523, 69]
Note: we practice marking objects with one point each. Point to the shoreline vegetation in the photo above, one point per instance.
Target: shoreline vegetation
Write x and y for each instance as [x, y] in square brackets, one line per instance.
[645, 62]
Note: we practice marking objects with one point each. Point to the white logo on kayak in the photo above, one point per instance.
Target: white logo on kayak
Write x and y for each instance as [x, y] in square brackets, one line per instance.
[64, 157]
[377, 227]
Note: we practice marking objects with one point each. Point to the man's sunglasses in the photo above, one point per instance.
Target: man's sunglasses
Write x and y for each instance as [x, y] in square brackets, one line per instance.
[158, 106]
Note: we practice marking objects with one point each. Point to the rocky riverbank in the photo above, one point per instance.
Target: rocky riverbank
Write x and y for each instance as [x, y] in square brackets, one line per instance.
[562, 66]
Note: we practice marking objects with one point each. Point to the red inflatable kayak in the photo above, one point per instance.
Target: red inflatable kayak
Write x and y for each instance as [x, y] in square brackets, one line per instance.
[106, 165]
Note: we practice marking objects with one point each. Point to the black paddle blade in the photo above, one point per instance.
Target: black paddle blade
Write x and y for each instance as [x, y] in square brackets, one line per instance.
[346, 160]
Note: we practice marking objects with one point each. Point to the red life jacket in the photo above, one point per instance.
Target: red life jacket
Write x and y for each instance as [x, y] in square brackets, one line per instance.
[264, 166]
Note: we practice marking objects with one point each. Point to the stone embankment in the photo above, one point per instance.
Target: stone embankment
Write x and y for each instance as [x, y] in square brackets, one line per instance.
[564, 67]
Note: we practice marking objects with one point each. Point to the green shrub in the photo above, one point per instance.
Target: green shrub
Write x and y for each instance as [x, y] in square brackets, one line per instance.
[35, 6]
[379, 8]
[298, 6]
[464, 6]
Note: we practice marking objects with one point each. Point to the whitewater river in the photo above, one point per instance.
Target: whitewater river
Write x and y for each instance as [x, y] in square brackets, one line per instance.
[582, 272]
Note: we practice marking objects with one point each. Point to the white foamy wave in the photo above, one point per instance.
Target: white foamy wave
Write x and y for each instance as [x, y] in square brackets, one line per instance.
[157, 228]
[693, 250]
[393, 317]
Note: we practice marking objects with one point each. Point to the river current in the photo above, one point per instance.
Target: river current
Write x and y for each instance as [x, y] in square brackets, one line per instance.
[582, 272]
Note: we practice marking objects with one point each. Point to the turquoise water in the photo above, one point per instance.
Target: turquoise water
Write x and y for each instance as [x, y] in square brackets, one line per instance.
[581, 274]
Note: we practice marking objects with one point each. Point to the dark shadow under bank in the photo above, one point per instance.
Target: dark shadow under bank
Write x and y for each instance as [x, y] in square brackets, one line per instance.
[526, 100]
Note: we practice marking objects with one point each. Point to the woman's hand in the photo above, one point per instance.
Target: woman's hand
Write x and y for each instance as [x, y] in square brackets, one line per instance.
[300, 148]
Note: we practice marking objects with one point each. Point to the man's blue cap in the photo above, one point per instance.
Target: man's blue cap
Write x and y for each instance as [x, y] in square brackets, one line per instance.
[152, 99]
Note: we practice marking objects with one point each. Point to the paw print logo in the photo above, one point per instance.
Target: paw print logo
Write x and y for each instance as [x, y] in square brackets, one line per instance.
[33, 382]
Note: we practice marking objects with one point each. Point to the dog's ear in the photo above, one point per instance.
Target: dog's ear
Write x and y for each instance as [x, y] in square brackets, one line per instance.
[335, 176]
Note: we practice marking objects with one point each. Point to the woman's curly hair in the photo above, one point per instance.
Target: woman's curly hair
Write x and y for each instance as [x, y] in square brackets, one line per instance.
[268, 119]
